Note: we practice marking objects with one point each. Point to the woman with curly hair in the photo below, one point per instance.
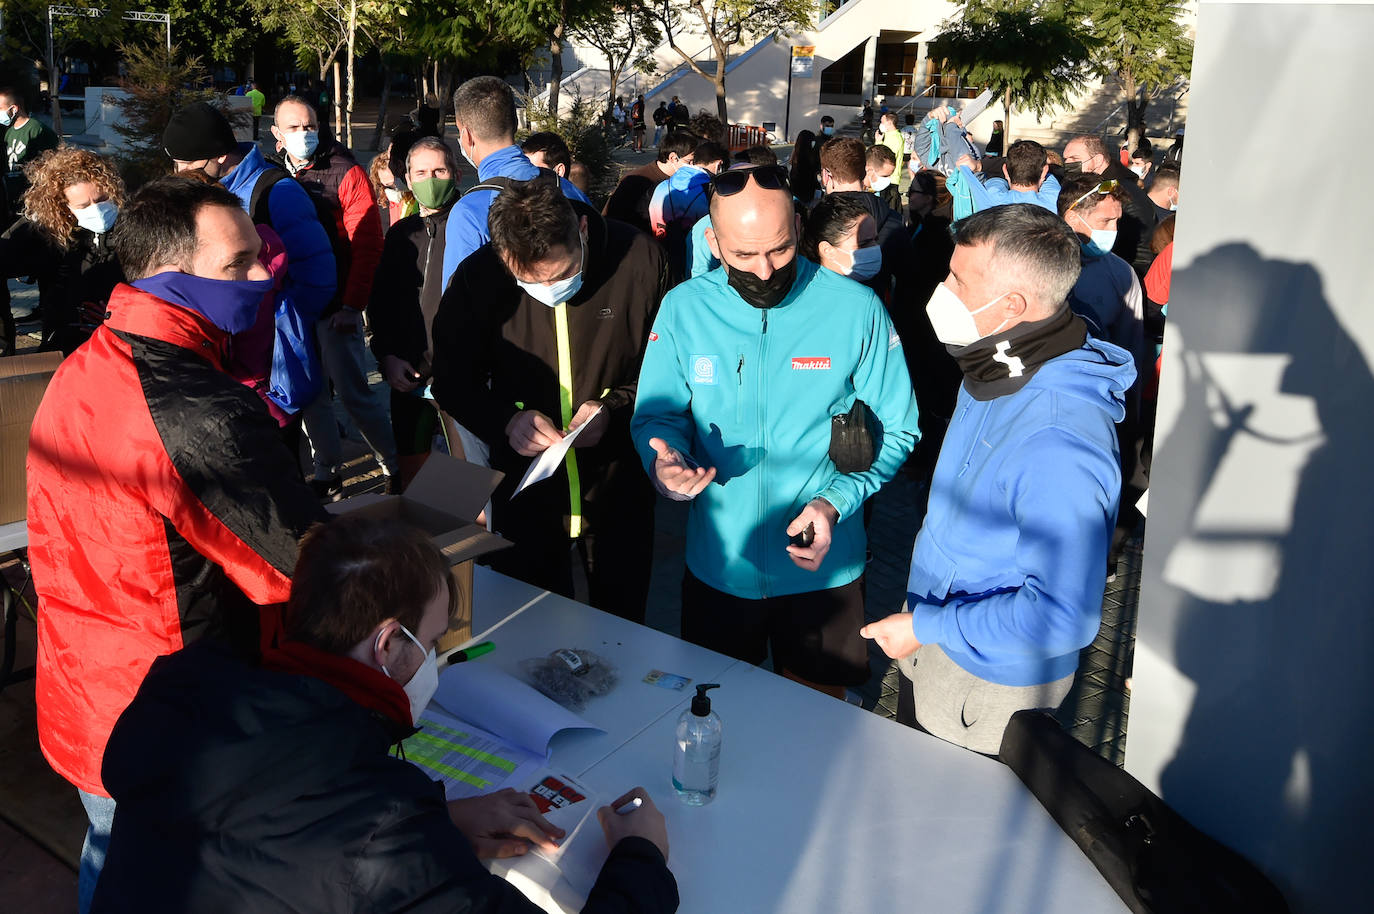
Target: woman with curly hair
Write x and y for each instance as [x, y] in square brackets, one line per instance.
[73, 199]
[394, 202]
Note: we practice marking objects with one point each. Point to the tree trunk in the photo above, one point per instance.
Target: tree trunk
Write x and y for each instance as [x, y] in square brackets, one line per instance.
[1136, 109]
[1006, 127]
[352, 39]
[556, 66]
[338, 102]
[54, 77]
[719, 82]
[379, 134]
[615, 72]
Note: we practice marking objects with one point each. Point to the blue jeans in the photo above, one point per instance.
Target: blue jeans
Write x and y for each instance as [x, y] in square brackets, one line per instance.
[100, 810]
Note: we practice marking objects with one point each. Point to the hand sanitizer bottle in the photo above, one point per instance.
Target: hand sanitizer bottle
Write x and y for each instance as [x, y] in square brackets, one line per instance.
[696, 755]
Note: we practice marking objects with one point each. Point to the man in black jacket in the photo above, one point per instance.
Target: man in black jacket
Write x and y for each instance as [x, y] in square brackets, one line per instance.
[272, 787]
[1088, 155]
[536, 332]
[405, 298]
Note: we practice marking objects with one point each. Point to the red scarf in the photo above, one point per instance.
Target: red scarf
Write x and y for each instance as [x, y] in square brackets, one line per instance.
[368, 687]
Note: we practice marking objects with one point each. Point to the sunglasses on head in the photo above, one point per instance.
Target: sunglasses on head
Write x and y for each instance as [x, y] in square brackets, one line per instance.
[1106, 187]
[769, 177]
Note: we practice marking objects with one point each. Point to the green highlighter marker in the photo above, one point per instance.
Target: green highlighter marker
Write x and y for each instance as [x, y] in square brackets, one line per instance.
[471, 653]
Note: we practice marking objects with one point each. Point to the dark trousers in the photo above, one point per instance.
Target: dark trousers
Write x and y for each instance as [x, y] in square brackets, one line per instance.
[616, 554]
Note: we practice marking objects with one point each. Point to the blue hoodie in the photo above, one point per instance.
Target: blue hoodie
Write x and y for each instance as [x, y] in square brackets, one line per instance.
[311, 279]
[751, 392]
[466, 229]
[1008, 570]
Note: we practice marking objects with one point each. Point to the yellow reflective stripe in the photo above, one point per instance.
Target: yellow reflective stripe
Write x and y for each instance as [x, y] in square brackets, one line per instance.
[565, 399]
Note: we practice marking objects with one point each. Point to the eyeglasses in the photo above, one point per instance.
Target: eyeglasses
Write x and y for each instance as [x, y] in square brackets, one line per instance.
[1106, 187]
[769, 177]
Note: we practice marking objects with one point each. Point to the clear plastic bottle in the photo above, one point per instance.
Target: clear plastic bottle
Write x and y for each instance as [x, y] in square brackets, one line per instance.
[696, 754]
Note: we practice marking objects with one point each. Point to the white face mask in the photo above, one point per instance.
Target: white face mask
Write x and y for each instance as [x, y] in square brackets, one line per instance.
[425, 681]
[1138, 170]
[552, 293]
[393, 195]
[464, 150]
[881, 184]
[864, 263]
[301, 144]
[98, 217]
[953, 323]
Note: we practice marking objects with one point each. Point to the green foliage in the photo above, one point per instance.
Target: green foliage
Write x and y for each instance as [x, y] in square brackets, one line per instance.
[158, 82]
[1037, 54]
[623, 31]
[219, 33]
[1141, 45]
[26, 27]
[479, 33]
[726, 23]
[581, 128]
[318, 30]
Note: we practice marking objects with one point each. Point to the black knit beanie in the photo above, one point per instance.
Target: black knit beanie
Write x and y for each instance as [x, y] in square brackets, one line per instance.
[198, 131]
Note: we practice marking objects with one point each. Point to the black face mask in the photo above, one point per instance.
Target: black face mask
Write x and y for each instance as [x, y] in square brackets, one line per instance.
[1073, 170]
[763, 293]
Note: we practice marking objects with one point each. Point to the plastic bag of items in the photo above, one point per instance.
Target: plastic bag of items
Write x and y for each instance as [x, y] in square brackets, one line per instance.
[570, 676]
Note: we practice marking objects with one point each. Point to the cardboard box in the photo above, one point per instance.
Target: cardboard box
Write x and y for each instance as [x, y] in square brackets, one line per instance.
[23, 381]
[444, 500]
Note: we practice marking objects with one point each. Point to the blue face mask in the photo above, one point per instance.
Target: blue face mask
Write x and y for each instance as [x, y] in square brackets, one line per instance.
[554, 293]
[7, 117]
[827, 131]
[1102, 240]
[230, 304]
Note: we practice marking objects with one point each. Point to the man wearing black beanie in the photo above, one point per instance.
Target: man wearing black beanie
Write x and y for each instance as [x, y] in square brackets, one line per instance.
[199, 137]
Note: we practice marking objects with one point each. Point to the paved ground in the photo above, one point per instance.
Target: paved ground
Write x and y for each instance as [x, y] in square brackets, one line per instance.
[42, 824]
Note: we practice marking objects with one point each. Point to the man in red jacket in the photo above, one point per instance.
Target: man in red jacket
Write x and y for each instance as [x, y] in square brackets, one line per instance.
[326, 169]
[162, 505]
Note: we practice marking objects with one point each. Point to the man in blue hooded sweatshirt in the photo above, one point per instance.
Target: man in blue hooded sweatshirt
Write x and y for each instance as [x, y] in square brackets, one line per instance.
[199, 137]
[484, 116]
[1008, 570]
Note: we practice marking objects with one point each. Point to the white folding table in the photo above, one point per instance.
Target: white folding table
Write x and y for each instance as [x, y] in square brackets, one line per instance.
[822, 807]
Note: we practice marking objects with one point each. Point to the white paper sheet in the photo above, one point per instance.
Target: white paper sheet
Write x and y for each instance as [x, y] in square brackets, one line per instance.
[497, 702]
[546, 463]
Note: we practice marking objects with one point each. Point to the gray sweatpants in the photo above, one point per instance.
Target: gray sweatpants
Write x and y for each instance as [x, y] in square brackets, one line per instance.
[960, 708]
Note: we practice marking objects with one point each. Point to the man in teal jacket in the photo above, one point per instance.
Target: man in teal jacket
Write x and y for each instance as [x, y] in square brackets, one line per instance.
[744, 373]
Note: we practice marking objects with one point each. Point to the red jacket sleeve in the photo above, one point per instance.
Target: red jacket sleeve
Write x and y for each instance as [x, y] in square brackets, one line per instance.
[363, 226]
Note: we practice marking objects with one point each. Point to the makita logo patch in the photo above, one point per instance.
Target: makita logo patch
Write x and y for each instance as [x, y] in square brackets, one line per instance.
[814, 363]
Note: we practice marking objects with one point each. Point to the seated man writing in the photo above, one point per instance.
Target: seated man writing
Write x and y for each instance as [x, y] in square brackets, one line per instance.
[273, 788]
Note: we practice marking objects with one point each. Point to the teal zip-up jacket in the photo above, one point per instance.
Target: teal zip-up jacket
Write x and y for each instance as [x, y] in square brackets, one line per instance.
[751, 392]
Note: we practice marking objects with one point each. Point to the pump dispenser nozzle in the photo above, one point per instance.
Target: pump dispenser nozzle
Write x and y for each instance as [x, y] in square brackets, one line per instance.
[701, 704]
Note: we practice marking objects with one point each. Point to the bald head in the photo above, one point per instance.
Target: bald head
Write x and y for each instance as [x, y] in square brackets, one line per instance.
[754, 230]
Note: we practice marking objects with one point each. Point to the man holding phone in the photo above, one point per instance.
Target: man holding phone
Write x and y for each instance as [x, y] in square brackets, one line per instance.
[405, 297]
[748, 371]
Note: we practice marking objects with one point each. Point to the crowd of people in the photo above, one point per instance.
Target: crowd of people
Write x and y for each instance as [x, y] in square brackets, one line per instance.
[222, 669]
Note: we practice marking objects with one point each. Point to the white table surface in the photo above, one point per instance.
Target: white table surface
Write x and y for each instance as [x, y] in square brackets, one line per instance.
[542, 624]
[822, 807]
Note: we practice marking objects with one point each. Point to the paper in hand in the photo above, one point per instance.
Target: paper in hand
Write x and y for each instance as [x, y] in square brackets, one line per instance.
[546, 463]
